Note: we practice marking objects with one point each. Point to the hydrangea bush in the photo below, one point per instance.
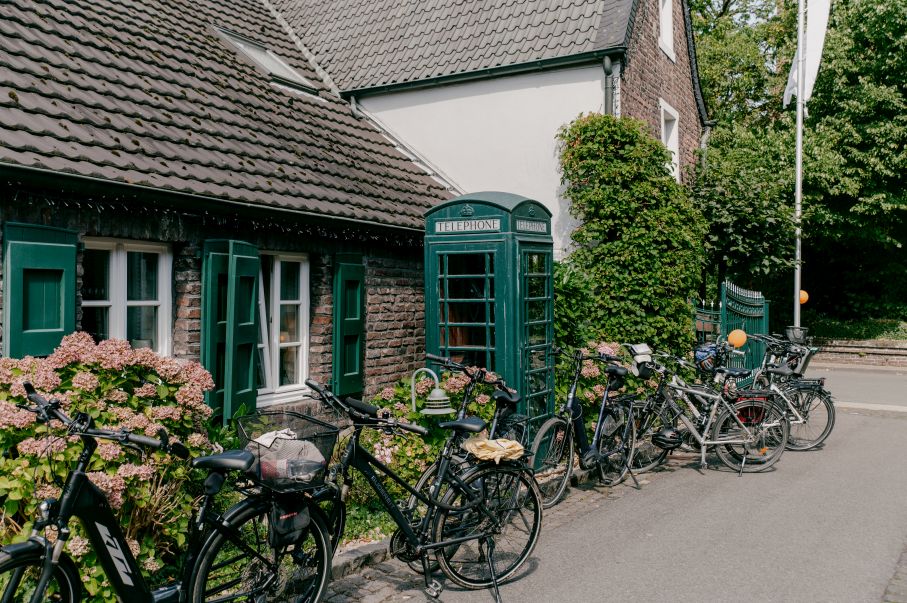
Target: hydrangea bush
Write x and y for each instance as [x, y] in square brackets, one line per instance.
[120, 388]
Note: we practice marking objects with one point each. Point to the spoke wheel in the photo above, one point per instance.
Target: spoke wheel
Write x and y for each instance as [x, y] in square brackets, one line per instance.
[297, 573]
[19, 577]
[818, 412]
[616, 449]
[760, 444]
[647, 455]
[509, 515]
[552, 459]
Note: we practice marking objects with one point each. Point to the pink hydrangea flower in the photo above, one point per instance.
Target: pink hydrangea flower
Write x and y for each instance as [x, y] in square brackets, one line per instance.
[387, 394]
[114, 354]
[112, 486]
[38, 447]
[108, 451]
[590, 370]
[85, 381]
[10, 416]
[78, 546]
[424, 386]
[76, 348]
[171, 413]
[117, 396]
[198, 440]
[607, 347]
[146, 390]
[143, 472]
[483, 399]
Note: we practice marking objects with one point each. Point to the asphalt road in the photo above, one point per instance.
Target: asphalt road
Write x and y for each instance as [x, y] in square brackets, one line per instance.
[827, 525]
[859, 386]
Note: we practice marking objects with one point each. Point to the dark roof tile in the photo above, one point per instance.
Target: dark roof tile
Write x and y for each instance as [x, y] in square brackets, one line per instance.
[147, 93]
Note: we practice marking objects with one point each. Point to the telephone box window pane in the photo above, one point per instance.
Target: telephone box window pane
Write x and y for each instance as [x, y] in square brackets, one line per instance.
[536, 287]
[536, 311]
[95, 321]
[96, 275]
[466, 263]
[141, 326]
[466, 288]
[141, 276]
[538, 334]
[468, 312]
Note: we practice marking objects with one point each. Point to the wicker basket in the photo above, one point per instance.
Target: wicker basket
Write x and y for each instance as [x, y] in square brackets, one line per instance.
[291, 450]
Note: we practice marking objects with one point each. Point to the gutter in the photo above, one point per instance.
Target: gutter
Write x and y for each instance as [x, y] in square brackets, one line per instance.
[694, 66]
[41, 177]
[593, 56]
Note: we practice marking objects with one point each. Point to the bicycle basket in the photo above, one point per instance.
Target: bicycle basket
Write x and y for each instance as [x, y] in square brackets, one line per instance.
[291, 449]
[796, 334]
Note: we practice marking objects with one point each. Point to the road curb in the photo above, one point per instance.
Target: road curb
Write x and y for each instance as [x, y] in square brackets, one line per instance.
[351, 561]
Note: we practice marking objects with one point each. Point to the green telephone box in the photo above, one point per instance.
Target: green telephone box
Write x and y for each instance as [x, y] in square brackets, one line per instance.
[488, 290]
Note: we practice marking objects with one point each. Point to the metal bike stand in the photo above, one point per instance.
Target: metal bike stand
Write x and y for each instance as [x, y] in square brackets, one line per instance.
[489, 544]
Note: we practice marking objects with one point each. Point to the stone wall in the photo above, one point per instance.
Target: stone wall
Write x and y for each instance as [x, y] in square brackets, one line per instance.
[394, 280]
[650, 74]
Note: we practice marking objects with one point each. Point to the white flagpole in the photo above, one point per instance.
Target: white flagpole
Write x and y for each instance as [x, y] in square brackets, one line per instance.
[798, 194]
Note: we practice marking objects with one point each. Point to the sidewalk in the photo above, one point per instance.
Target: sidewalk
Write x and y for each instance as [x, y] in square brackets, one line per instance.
[391, 580]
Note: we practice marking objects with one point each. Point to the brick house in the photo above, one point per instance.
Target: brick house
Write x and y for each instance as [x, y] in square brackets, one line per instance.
[479, 88]
[183, 177]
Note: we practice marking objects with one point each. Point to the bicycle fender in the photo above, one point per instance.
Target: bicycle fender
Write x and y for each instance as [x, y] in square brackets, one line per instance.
[33, 547]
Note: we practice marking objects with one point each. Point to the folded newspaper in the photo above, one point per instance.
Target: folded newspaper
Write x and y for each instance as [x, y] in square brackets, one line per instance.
[493, 450]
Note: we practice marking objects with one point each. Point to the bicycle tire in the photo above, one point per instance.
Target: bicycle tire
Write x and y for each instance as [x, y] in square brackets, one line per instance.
[647, 455]
[616, 449]
[64, 586]
[552, 459]
[334, 512]
[769, 427]
[511, 512]
[223, 567]
[818, 411]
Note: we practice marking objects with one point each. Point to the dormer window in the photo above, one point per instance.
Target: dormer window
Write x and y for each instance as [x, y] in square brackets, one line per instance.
[281, 73]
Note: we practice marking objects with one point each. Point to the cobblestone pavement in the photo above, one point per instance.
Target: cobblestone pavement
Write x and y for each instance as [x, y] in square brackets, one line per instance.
[392, 580]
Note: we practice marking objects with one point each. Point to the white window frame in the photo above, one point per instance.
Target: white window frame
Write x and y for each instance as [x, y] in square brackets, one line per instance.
[666, 28]
[118, 301]
[271, 392]
[670, 134]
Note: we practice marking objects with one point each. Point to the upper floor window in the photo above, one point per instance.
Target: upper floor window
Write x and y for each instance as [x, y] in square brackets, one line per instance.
[284, 319]
[126, 292]
[670, 135]
[666, 27]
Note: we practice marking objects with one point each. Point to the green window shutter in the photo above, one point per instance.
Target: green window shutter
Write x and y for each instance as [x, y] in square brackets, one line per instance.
[230, 324]
[39, 293]
[349, 325]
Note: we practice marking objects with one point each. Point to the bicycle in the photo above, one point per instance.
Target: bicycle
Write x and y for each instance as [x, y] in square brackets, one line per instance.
[613, 442]
[810, 409]
[234, 544]
[471, 517]
[747, 430]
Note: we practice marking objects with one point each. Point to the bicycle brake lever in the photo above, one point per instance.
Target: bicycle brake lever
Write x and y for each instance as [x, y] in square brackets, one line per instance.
[134, 447]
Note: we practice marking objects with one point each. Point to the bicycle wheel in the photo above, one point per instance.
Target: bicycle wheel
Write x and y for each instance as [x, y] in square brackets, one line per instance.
[647, 455]
[19, 577]
[818, 413]
[552, 459]
[297, 573]
[616, 449]
[753, 437]
[507, 520]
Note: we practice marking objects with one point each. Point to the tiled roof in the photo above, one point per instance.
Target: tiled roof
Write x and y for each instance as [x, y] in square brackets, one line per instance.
[371, 43]
[147, 93]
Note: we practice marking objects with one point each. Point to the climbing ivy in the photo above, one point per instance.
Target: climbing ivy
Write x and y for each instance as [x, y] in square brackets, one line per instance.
[639, 242]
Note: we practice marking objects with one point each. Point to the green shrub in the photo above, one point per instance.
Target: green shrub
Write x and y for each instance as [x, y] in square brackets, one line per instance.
[572, 301]
[639, 243]
[118, 387]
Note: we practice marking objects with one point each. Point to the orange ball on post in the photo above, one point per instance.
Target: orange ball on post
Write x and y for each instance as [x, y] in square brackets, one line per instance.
[737, 338]
[804, 297]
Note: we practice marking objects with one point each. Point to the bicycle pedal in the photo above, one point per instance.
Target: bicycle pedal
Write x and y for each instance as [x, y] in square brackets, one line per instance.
[434, 589]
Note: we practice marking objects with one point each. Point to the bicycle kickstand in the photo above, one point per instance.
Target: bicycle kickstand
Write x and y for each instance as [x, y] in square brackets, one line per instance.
[489, 544]
[742, 465]
[633, 475]
[433, 588]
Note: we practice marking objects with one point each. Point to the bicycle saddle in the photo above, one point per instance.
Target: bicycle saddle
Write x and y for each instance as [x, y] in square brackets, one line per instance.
[502, 397]
[231, 460]
[618, 371]
[469, 424]
[735, 373]
[780, 370]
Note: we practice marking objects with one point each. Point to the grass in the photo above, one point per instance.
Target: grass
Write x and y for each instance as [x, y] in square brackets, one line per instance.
[831, 328]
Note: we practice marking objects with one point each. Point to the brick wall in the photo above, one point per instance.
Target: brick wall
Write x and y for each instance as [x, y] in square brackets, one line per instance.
[395, 319]
[650, 74]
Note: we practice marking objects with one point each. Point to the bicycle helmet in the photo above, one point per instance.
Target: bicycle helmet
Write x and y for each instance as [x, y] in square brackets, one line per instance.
[667, 439]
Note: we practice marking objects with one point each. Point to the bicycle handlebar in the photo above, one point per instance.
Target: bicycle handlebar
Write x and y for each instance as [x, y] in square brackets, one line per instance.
[329, 398]
[50, 409]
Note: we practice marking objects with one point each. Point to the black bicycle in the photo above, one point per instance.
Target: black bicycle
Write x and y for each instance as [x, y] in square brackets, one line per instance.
[480, 525]
[236, 555]
[611, 450]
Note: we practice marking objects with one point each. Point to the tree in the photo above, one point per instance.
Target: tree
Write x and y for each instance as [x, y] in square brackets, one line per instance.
[639, 243]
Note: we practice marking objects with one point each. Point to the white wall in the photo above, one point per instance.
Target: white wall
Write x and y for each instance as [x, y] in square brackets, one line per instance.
[496, 134]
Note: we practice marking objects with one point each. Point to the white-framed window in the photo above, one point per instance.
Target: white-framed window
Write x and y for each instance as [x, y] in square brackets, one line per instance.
[666, 28]
[283, 305]
[126, 292]
[670, 135]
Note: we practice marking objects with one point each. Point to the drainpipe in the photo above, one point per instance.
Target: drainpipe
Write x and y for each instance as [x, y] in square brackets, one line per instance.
[609, 90]
[704, 143]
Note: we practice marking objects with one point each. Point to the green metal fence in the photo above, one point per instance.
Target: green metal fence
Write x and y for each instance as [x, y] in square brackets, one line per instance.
[739, 308]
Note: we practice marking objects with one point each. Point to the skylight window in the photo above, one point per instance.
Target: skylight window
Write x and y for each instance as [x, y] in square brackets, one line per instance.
[280, 71]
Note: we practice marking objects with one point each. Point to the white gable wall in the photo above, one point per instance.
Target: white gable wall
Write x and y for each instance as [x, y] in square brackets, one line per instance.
[496, 134]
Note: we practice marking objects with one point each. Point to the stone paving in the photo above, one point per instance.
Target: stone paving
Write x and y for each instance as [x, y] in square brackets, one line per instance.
[392, 580]
[897, 586]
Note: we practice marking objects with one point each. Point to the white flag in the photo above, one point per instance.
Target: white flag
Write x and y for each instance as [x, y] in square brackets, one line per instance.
[816, 24]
